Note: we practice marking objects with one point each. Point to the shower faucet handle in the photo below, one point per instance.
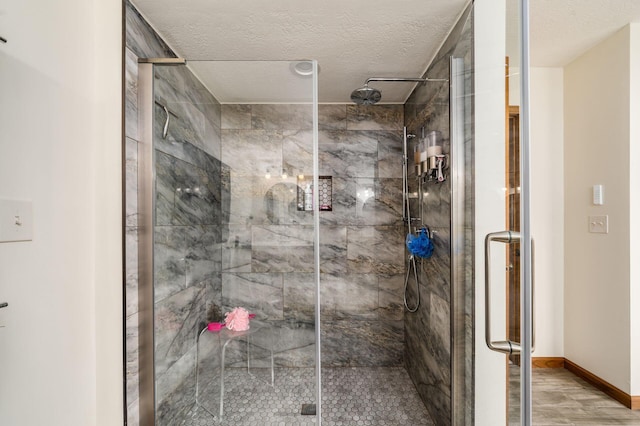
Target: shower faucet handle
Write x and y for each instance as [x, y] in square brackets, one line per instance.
[3, 305]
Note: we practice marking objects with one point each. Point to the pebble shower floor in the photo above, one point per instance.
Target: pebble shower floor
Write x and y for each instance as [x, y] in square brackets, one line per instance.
[367, 396]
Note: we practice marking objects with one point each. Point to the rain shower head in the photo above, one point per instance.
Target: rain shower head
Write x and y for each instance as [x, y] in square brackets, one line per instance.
[366, 95]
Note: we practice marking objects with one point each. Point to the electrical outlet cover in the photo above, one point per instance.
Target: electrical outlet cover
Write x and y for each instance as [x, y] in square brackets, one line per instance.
[599, 224]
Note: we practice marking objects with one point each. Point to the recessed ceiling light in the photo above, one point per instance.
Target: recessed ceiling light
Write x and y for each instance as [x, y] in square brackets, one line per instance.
[303, 68]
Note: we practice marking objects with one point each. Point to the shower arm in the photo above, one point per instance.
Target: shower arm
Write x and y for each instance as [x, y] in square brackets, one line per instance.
[416, 79]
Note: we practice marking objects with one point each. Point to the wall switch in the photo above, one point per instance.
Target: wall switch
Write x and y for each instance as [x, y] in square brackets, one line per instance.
[16, 221]
[599, 224]
[598, 195]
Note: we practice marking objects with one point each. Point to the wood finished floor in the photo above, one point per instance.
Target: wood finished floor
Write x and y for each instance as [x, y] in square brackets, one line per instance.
[561, 398]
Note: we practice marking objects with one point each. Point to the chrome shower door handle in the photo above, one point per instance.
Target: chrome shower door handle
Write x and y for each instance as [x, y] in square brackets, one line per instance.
[502, 346]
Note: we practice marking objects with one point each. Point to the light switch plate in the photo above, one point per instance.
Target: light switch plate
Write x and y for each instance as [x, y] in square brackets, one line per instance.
[16, 221]
[599, 224]
[598, 195]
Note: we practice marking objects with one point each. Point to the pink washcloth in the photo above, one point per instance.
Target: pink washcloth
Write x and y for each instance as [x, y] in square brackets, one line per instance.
[237, 319]
[215, 326]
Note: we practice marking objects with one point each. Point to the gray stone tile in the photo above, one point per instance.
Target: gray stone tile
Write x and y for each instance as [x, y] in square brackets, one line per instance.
[374, 249]
[297, 152]
[376, 117]
[333, 249]
[348, 154]
[131, 95]
[236, 117]
[141, 39]
[236, 255]
[169, 261]
[133, 413]
[278, 248]
[379, 201]
[344, 203]
[362, 343]
[175, 388]
[299, 296]
[197, 113]
[131, 270]
[186, 195]
[252, 152]
[390, 297]
[203, 254]
[131, 182]
[390, 146]
[294, 343]
[258, 293]
[178, 319]
[440, 319]
[132, 369]
[349, 296]
[282, 117]
[332, 117]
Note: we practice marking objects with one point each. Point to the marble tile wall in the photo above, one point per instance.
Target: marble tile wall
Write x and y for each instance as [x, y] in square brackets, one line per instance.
[141, 41]
[241, 240]
[188, 232]
[268, 258]
[428, 336]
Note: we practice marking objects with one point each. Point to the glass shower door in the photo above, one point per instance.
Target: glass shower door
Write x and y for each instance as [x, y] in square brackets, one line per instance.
[230, 148]
[502, 230]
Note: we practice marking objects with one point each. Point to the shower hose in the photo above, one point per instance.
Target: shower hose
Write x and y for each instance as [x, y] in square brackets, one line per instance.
[412, 263]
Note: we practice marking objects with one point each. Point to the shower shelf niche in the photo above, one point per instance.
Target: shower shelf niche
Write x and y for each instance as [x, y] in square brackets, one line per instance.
[305, 193]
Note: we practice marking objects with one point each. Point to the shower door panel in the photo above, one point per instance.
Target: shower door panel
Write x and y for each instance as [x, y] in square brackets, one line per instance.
[502, 356]
[220, 169]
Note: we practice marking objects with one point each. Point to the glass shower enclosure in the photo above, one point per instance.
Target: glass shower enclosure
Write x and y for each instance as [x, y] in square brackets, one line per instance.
[228, 219]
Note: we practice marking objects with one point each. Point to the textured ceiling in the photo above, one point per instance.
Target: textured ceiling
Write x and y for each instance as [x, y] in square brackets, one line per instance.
[561, 30]
[353, 40]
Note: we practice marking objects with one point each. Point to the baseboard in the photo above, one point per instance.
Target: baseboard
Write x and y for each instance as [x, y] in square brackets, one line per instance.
[632, 402]
[547, 362]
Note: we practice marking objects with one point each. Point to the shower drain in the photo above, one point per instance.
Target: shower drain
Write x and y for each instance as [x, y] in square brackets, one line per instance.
[308, 410]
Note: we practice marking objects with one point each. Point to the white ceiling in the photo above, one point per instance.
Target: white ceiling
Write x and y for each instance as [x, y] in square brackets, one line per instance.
[352, 40]
[561, 30]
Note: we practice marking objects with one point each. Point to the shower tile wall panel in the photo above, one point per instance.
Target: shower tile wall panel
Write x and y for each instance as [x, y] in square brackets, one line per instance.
[428, 331]
[361, 241]
[189, 231]
[189, 235]
[198, 113]
[141, 41]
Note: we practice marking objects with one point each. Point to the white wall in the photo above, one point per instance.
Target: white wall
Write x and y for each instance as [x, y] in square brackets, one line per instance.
[547, 208]
[489, 42]
[634, 212]
[597, 123]
[60, 137]
[547, 203]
